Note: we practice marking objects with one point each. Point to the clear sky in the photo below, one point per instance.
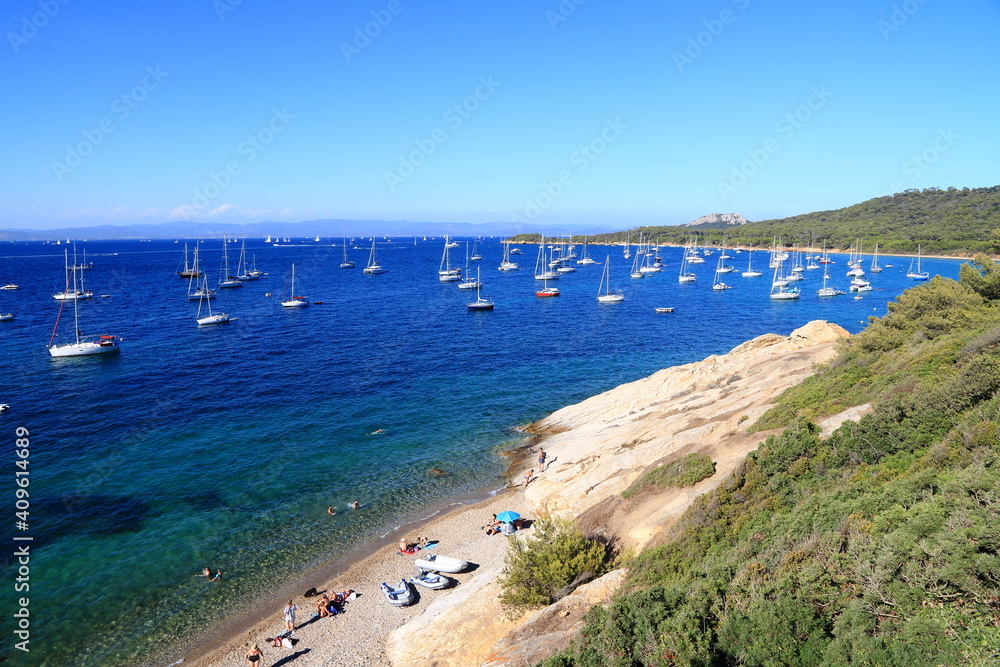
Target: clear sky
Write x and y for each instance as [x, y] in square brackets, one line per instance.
[580, 111]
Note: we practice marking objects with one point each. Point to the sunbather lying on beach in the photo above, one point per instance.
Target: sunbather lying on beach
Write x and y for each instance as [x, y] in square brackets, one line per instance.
[492, 527]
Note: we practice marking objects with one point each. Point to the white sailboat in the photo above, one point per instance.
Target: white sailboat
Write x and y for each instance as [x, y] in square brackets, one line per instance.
[206, 302]
[345, 262]
[779, 288]
[81, 346]
[543, 272]
[446, 274]
[201, 292]
[750, 273]
[243, 271]
[505, 263]
[635, 272]
[475, 253]
[373, 266]
[717, 284]
[685, 275]
[469, 282]
[917, 274]
[828, 291]
[584, 259]
[875, 268]
[604, 293]
[79, 291]
[294, 301]
[226, 279]
[481, 303]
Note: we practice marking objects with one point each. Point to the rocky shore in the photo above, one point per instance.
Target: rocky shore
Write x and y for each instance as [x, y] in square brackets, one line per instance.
[596, 449]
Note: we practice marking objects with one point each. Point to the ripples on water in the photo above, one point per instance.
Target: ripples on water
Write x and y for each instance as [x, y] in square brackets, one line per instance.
[223, 446]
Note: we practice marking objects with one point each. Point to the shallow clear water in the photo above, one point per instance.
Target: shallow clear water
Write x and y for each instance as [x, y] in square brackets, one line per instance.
[224, 445]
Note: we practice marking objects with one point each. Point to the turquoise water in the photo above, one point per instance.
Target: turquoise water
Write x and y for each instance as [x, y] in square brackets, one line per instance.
[223, 446]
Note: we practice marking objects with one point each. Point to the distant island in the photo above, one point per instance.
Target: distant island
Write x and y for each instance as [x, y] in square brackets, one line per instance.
[948, 221]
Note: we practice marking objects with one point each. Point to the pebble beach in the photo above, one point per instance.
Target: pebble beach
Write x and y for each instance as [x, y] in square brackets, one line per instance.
[357, 637]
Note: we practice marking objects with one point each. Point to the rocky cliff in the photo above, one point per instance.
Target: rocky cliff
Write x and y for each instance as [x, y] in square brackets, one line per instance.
[597, 449]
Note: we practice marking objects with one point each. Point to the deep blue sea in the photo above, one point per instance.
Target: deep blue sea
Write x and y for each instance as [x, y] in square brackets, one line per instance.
[224, 445]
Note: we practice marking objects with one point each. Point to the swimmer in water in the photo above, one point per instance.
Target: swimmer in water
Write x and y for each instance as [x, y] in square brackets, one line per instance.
[329, 510]
[381, 430]
[354, 505]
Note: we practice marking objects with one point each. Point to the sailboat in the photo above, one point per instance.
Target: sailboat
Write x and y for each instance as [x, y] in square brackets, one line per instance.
[828, 291]
[584, 259]
[918, 274]
[635, 272]
[446, 274]
[225, 278]
[543, 272]
[875, 268]
[206, 301]
[480, 303]
[79, 292]
[346, 263]
[373, 266]
[750, 273]
[82, 346]
[505, 263]
[604, 293]
[475, 253]
[686, 276]
[779, 287]
[189, 270]
[243, 268]
[720, 268]
[202, 292]
[295, 301]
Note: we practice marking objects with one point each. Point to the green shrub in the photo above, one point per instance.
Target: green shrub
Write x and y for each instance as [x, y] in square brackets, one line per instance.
[549, 565]
[685, 471]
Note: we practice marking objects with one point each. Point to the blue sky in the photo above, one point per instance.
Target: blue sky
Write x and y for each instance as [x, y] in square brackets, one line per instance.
[572, 112]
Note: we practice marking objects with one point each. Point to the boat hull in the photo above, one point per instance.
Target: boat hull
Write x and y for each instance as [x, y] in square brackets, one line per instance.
[85, 349]
[438, 563]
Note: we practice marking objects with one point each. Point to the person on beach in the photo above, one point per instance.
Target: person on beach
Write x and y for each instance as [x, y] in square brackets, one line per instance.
[290, 610]
[493, 526]
[254, 657]
[403, 546]
[422, 541]
[528, 477]
[541, 460]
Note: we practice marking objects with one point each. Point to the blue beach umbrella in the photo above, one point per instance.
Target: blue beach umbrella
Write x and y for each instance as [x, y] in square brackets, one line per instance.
[508, 516]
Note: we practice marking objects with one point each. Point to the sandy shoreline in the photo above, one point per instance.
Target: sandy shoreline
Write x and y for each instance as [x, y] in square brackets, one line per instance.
[357, 637]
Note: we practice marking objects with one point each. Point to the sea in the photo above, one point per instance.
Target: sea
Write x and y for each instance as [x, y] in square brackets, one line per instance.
[223, 446]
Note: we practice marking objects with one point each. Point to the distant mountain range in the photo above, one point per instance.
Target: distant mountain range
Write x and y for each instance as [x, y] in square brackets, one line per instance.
[309, 228]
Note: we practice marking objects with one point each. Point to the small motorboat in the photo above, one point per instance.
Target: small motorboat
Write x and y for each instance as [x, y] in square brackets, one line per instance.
[9, 286]
[4, 406]
[441, 564]
[398, 597]
[430, 580]
[664, 310]
[6, 316]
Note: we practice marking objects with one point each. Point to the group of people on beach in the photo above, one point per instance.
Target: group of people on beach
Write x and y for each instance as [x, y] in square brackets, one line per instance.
[409, 548]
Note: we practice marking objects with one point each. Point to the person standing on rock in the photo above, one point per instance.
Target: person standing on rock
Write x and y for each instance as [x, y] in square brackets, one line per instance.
[527, 477]
[541, 460]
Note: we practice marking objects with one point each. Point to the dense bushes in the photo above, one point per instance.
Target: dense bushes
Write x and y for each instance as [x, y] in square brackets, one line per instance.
[549, 565]
[877, 546]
